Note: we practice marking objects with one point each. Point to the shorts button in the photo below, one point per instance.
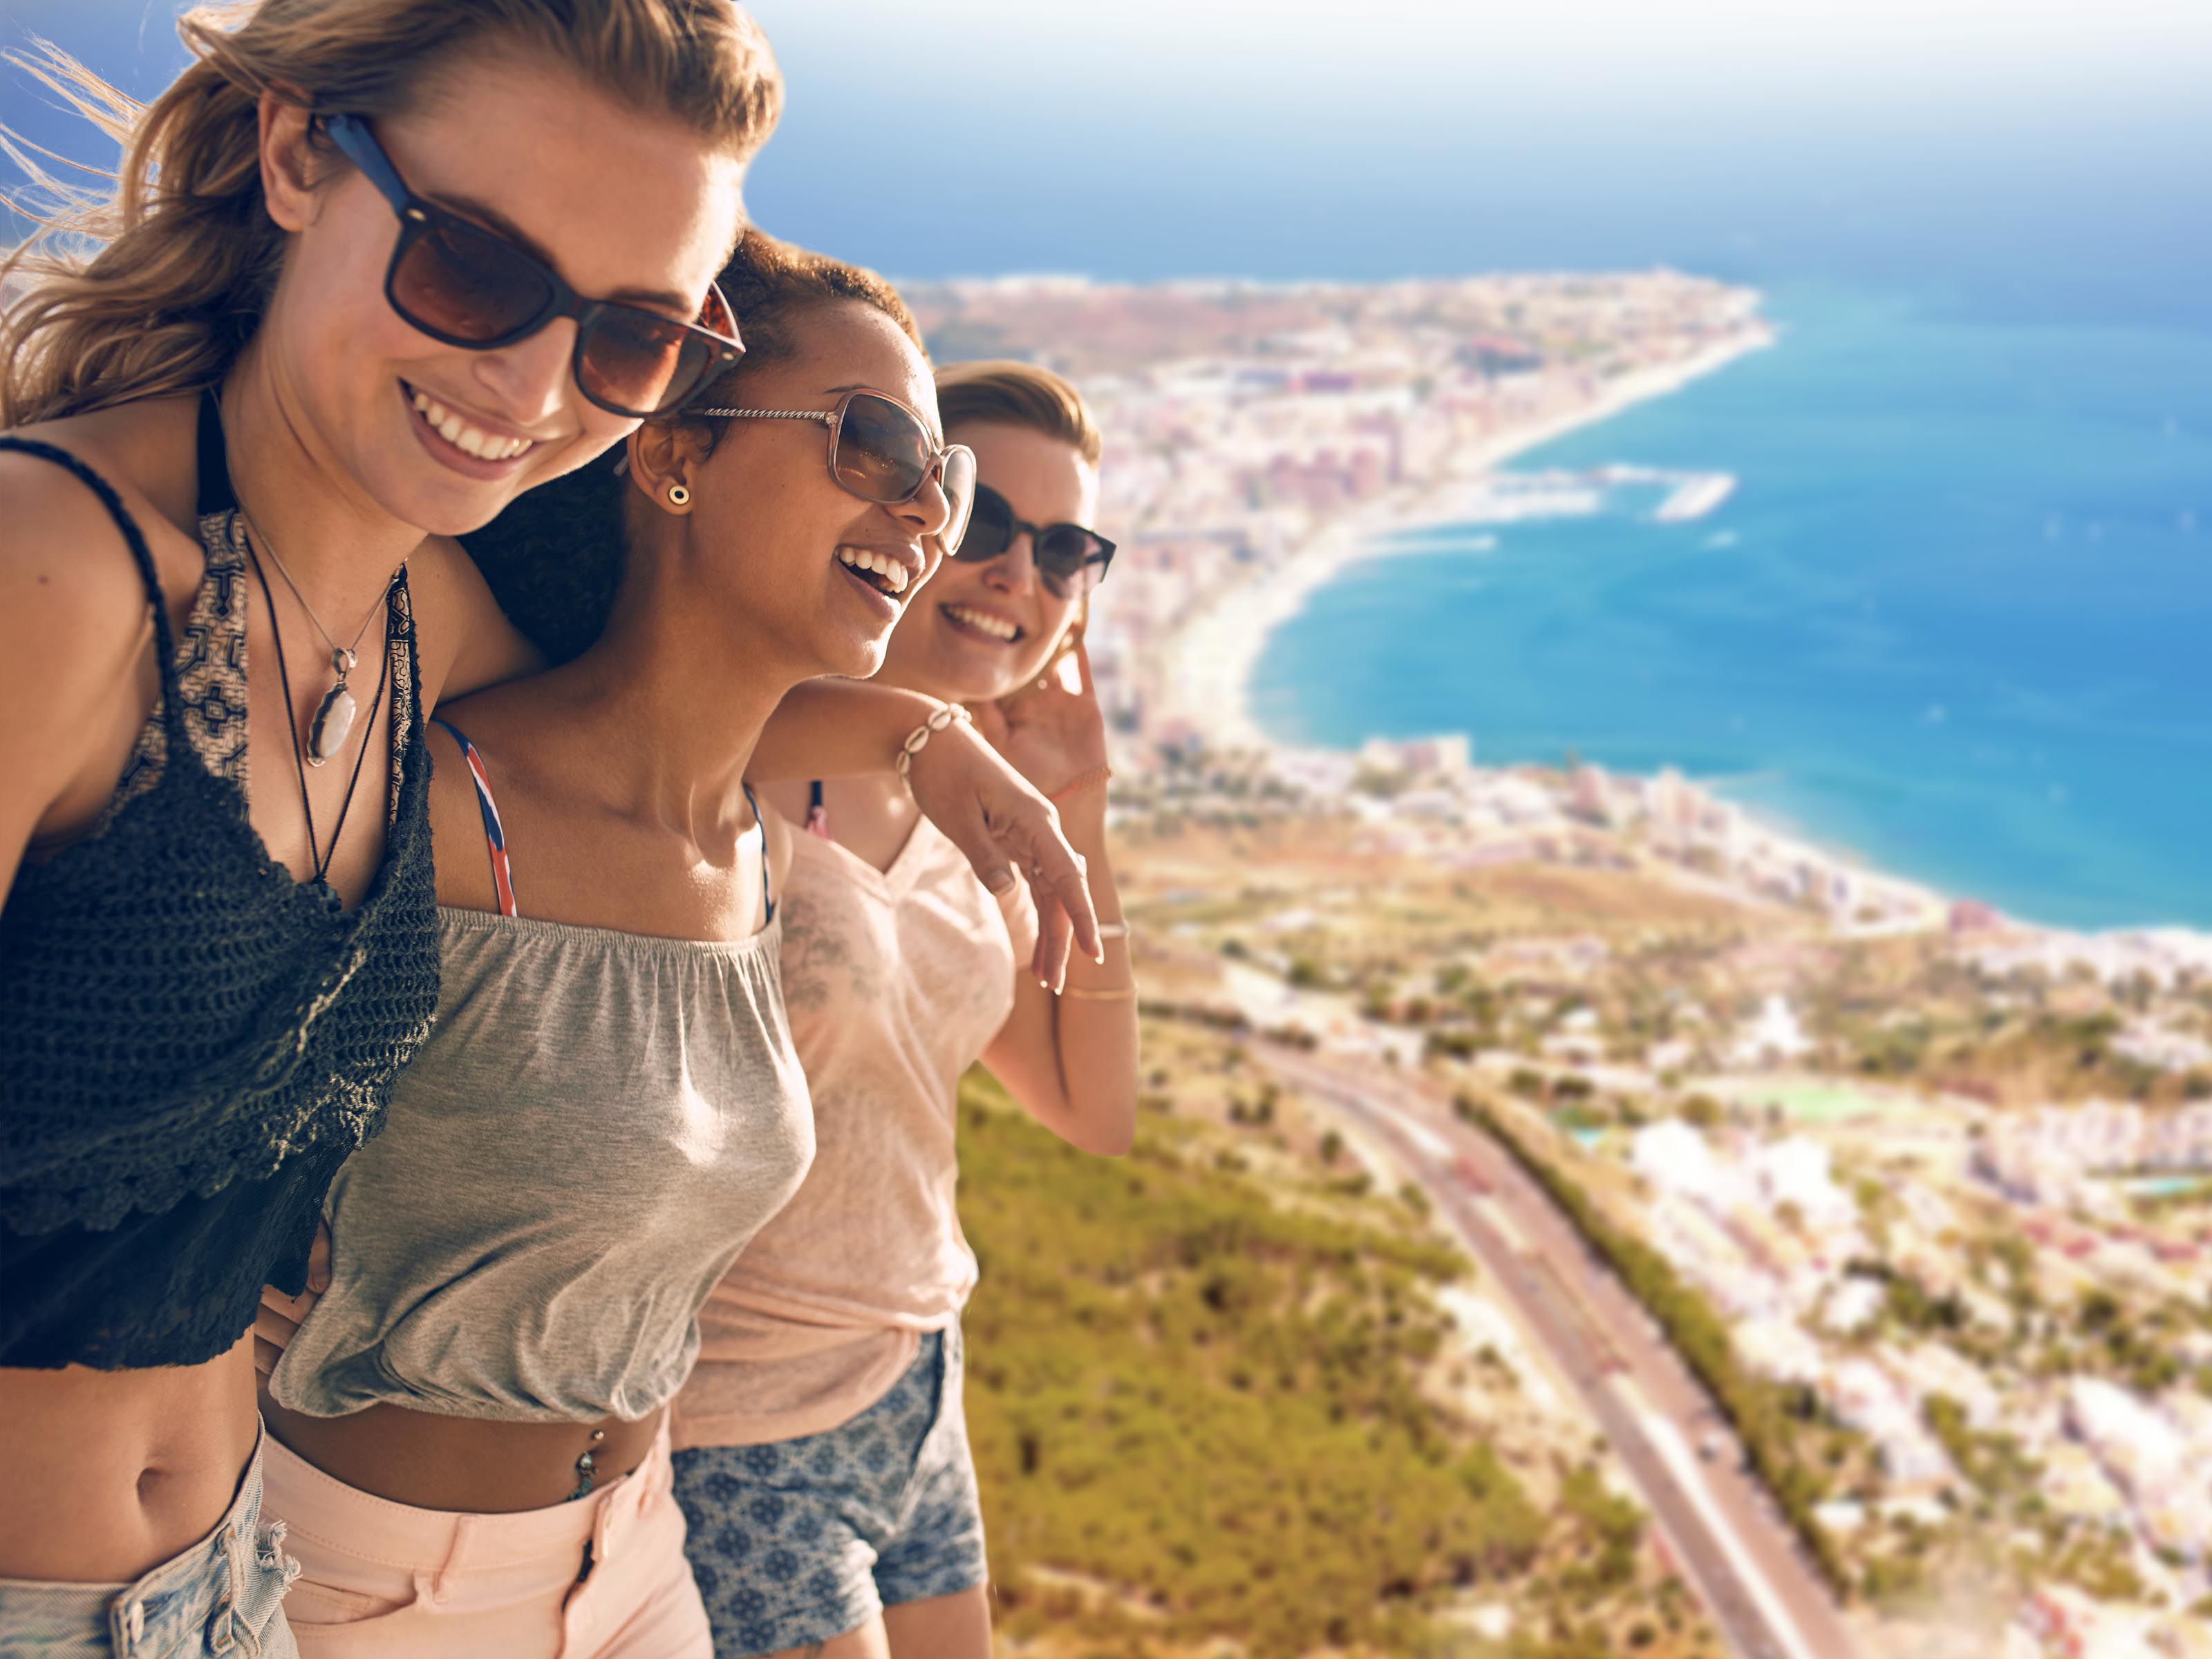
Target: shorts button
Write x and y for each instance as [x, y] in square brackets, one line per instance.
[133, 1621]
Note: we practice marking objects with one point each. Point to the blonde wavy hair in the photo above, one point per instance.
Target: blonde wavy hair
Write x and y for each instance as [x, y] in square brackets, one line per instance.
[152, 288]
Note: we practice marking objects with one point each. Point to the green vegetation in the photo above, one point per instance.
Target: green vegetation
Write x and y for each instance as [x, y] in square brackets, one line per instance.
[1208, 1403]
[1770, 1420]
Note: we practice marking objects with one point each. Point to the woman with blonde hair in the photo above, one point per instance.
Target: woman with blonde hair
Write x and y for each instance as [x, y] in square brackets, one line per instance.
[354, 292]
[823, 1466]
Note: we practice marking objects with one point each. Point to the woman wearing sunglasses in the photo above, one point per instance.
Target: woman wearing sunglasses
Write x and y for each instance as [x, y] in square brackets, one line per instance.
[825, 1473]
[220, 626]
[374, 268]
[470, 1447]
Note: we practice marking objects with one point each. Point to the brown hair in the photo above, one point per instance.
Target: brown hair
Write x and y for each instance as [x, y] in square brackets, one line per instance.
[1004, 392]
[187, 254]
[554, 558]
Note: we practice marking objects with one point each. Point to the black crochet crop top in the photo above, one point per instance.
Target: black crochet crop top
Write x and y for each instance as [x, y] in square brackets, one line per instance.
[191, 1041]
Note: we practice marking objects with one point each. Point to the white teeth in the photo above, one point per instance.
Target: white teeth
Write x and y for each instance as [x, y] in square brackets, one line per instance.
[996, 627]
[469, 440]
[860, 558]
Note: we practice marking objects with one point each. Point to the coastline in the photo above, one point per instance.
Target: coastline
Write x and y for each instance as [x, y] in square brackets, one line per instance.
[1207, 666]
[1209, 661]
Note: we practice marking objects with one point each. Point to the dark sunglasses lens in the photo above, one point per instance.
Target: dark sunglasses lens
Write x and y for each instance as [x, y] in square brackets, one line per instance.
[958, 481]
[882, 453]
[1064, 556]
[468, 285]
[990, 527]
[639, 363]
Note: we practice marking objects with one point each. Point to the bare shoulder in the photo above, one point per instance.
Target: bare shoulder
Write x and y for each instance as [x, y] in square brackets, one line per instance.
[74, 605]
[466, 640]
[76, 675]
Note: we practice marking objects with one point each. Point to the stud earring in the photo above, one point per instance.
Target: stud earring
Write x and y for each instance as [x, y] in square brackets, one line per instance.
[677, 495]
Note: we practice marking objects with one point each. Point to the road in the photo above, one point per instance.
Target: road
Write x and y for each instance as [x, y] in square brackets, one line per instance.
[1722, 1529]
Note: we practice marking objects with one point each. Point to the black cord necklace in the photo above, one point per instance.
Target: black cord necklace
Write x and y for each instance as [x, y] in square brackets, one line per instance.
[285, 677]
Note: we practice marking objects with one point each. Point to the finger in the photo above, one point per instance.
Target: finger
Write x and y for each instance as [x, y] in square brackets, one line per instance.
[1055, 935]
[971, 834]
[291, 1309]
[1057, 869]
[265, 1356]
[319, 1260]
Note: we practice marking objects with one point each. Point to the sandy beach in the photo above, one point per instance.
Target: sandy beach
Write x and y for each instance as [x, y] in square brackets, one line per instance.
[1209, 662]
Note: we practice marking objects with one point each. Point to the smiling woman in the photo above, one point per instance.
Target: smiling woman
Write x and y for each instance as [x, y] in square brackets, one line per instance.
[612, 1000]
[222, 432]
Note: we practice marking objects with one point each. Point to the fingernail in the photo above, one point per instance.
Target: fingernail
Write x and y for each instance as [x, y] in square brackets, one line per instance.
[1002, 883]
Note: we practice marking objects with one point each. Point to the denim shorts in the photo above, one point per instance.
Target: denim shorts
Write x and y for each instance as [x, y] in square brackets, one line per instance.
[798, 1540]
[220, 1597]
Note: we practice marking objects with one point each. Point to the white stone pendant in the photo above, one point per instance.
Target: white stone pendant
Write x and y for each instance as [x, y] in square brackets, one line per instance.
[333, 719]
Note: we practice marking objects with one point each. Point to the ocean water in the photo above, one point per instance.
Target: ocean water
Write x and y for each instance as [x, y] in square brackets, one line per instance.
[1956, 617]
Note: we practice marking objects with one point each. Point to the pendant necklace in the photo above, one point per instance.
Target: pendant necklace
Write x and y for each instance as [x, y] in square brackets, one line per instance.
[326, 732]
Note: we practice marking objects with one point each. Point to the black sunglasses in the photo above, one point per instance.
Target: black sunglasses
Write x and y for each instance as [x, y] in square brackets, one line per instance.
[1070, 560]
[464, 286]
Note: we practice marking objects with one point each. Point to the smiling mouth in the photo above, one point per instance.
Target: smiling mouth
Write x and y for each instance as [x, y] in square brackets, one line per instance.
[457, 430]
[878, 570]
[980, 621]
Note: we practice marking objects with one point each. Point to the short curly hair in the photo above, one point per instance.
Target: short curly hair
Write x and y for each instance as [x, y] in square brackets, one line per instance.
[554, 558]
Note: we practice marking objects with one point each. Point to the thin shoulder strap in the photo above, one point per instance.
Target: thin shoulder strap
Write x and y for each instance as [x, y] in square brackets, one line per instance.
[216, 494]
[817, 814]
[503, 880]
[133, 538]
[768, 899]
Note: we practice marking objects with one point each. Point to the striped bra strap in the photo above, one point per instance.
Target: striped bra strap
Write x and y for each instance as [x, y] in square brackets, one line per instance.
[502, 877]
[502, 880]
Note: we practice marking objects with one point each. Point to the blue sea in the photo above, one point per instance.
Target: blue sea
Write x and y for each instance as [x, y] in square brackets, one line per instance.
[1956, 617]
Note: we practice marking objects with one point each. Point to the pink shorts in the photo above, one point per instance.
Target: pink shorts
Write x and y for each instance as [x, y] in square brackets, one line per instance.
[379, 1577]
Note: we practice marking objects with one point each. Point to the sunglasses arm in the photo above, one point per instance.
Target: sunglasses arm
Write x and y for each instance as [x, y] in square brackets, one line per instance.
[358, 145]
[826, 418]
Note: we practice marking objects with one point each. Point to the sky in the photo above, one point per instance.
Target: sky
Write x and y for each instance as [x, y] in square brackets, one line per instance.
[1148, 139]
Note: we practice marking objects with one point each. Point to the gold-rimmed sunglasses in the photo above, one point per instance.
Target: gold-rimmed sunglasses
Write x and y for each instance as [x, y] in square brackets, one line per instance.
[883, 451]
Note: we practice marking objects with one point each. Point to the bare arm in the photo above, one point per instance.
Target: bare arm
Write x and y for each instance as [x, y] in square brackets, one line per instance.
[467, 642]
[1071, 1058]
[842, 728]
[76, 677]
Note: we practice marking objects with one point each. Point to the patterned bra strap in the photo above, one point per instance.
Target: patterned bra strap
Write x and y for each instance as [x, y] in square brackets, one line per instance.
[503, 880]
[141, 554]
[768, 899]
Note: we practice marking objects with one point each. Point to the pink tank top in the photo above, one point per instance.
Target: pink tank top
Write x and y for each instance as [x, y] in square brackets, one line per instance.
[895, 981]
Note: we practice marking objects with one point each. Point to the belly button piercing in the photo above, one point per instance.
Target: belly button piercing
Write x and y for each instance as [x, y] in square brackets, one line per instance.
[585, 1467]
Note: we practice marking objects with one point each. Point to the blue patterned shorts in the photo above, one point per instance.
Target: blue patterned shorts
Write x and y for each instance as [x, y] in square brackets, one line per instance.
[800, 1540]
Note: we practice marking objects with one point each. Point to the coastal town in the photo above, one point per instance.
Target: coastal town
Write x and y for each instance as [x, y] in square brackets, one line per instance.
[1915, 1197]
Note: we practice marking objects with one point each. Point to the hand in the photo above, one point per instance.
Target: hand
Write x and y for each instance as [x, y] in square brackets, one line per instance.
[1053, 731]
[1001, 822]
[280, 1316]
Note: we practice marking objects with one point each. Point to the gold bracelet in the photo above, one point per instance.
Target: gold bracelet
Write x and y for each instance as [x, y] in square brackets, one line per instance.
[1119, 994]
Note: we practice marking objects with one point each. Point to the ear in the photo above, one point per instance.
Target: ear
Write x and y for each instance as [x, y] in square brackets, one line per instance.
[666, 455]
[287, 162]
